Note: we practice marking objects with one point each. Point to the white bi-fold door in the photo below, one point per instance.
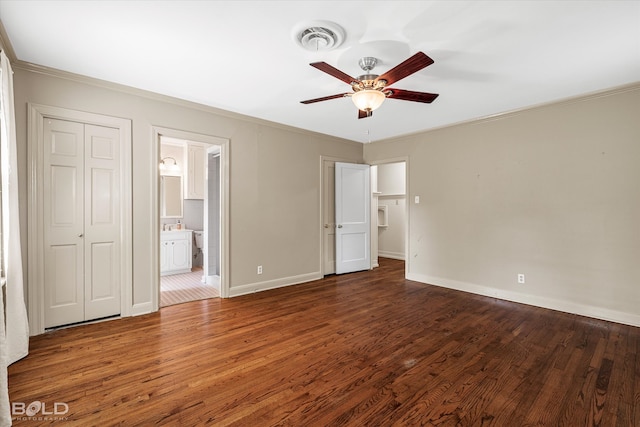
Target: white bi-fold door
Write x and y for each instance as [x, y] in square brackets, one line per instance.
[81, 224]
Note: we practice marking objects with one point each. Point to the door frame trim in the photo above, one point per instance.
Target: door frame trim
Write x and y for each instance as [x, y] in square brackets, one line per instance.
[405, 160]
[37, 113]
[223, 143]
[321, 223]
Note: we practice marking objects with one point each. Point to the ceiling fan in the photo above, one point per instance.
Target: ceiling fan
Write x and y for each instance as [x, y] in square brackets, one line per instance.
[370, 90]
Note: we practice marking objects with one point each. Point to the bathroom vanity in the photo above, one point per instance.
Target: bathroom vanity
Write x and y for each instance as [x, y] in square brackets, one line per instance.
[175, 252]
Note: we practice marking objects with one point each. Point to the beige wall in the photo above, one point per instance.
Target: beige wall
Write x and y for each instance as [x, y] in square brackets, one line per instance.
[552, 192]
[274, 177]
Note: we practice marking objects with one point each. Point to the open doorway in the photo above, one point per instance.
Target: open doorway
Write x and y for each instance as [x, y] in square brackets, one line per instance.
[390, 193]
[189, 215]
[192, 217]
[389, 211]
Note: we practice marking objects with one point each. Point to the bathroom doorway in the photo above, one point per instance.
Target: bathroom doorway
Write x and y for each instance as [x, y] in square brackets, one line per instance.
[191, 217]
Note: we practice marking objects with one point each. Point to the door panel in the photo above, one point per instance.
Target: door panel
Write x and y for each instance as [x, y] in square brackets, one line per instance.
[354, 247]
[353, 217]
[64, 182]
[180, 254]
[102, 258]
[102, 202]
[63, 220]
[63, 269]
[164, 257]
[102, 222]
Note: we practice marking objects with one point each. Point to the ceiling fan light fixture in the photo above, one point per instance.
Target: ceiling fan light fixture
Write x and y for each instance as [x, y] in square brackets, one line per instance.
[368, 99]
[370, 90]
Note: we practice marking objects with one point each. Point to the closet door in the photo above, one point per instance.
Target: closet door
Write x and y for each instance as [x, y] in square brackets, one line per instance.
[101, 222]
[81, 222]
[63, 222]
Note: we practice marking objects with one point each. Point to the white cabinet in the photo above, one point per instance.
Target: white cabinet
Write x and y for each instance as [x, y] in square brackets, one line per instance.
[195, 173]
[175, 252]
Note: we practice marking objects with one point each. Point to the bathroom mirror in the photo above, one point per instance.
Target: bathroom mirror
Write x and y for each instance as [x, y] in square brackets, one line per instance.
[171, 196]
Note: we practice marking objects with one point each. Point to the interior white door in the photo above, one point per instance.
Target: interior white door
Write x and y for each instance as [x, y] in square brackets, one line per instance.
[81, 222]
[329, 217]
[63, 222]
[353, 217]
[102, 240]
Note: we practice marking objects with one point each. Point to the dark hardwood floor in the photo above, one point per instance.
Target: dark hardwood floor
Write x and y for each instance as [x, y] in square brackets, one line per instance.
[362, 349]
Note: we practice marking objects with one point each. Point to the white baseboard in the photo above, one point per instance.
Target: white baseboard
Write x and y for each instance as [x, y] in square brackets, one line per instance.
[250, 288]
[213, 281]
[392, 255]
[139, 309]
[534, 300]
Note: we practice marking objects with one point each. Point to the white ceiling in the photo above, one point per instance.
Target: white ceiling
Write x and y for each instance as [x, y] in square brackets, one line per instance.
[490, 56]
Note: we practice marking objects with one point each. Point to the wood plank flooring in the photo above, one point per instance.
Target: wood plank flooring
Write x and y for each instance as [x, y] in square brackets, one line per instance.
[362, 349]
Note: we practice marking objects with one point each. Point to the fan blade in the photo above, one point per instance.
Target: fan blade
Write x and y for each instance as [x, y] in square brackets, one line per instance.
[409, 95]
[364, 114]
[416, 63]
[329, 69]
[324, 98]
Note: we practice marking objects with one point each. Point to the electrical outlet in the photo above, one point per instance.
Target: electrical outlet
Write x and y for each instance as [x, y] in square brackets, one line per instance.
[259, 269]
[521, 278]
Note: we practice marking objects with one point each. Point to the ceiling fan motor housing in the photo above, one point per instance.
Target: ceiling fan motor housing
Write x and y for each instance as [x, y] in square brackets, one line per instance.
[366, 80]
[367, 63]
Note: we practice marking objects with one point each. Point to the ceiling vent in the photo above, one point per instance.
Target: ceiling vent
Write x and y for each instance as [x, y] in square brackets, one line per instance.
[318, 35]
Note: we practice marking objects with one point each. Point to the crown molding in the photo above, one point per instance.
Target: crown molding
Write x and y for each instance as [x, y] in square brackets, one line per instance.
[5, 44]
[630, 87]
[104, 84]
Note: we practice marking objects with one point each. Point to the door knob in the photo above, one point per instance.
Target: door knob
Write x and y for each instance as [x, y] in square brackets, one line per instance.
[339, 225]
[326, 226]
[80, 235]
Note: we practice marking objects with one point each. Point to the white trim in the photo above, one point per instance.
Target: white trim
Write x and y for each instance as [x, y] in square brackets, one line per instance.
[407, 208]
[117, 87]
[392, 255]
[223, 143]
[534, 300]
[321, 224]
[612, 91]
[35, 156]
[273, 284]
[140, 309]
